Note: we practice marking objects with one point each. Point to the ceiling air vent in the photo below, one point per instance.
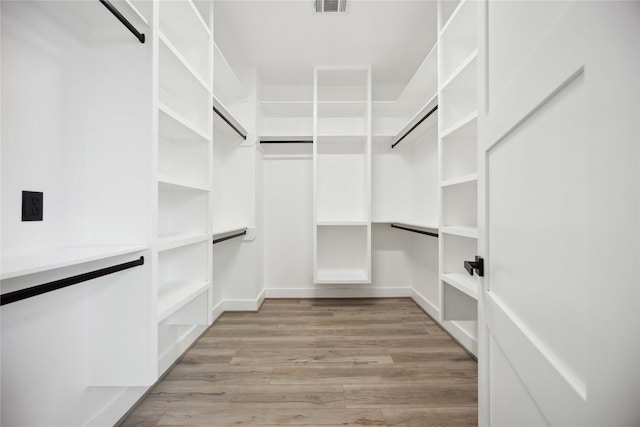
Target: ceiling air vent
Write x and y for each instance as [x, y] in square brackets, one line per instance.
[323, 6]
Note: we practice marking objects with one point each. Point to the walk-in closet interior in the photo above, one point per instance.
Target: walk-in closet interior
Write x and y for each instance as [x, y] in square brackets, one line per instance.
[165, 162]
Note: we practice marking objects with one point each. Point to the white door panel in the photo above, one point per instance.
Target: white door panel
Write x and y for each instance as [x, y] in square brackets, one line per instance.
[521, 410]
[559, 213]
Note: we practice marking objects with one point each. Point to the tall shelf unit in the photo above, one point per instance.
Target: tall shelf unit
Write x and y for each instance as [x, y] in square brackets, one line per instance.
[457, 124]
[342, 175]
[184, 56]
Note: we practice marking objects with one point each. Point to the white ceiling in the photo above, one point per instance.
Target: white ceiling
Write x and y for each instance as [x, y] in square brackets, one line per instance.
[284, 39]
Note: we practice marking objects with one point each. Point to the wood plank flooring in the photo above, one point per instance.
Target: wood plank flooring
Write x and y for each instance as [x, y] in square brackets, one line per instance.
[319, 362]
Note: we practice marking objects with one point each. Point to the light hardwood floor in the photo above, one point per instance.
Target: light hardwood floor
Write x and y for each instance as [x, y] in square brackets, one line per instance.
[319, 362]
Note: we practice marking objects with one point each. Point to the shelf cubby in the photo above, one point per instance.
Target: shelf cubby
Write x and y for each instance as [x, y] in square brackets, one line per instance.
[459, 152]
[459, 204]
[340, 188]
[183, 154]
[182, 210]
[226, 85]
[343, 84]
[457, 304]
[182, 25]
[456, 249]
[458, 37]
[343, 254]
[458, 98]
[181, 91]
[183, 274]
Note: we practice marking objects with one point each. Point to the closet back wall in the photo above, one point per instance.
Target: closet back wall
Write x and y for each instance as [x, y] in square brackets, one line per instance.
[288, 204]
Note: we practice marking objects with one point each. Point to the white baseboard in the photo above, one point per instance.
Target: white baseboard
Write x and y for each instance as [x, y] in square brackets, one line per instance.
[465, 339]
[217, 311]
[327, 291]
[426, 305]
[244, 304]
[119, 405]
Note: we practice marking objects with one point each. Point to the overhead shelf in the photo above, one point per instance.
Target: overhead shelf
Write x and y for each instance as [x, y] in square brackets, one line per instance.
[287, 108]
[423, 114]
[36, 262]
[224, 119]
[226, 85]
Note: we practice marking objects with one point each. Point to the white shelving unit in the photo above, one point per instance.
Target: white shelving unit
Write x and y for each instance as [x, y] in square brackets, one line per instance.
[457, 59]
[405, 162]
[77, 126]
[342, 175]
[185, 123]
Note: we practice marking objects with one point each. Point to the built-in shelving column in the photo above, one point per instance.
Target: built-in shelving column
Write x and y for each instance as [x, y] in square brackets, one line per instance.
[184, 105]
[342, 175]
[457, 54]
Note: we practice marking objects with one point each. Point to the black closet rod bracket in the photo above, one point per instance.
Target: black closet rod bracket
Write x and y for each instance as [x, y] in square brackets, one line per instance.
[33, 291]
[222, 239]
[433, 110]
[227, 121]
[428, 233]
[124, 20]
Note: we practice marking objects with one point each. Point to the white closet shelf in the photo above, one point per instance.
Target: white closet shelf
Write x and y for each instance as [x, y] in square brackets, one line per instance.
[180, 183]
[413, 224]
[164, 40]
[460, 180]
[332, 276]
[287, 108]
[191, 23]
[459, 72]
[328, 223]
[221, 231]
[459, 124]
[173, 241]
[461, 19]
[36, 262]
[173, 296]
[462, 282]
[471, 232]
[182, 121]
[342, 108]
[417, 117]
[221, 124]
[423, 84]
[226, 85]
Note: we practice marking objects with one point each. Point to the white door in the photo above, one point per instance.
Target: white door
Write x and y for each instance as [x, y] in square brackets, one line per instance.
[559, 190]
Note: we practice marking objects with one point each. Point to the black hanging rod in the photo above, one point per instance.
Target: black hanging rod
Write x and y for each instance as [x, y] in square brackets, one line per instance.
[21, 294]
[222, 239]
[122, 19]
[428, 233]
[433, 110]
[229, 123]
[297, 141]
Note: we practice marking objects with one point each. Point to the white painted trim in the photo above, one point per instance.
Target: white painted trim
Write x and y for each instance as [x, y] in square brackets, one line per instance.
[244, 304]
[167, 359]
[431, 309]
[113, 411]
[217, 311]
[328, 291]
[465, 339]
